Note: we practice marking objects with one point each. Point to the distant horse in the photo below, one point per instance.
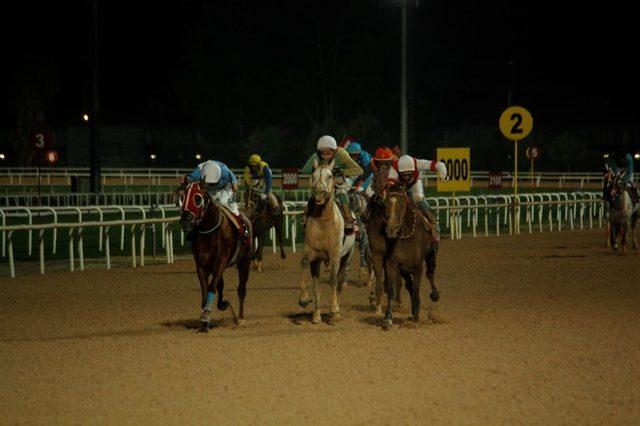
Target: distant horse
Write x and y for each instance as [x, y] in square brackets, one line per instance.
[358, 205]
[263, 218]
[216, 244]
[410, 243]
[622, 217]
[324, 241]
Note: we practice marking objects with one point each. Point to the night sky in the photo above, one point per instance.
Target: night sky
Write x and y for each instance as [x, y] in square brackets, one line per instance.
[229, 67]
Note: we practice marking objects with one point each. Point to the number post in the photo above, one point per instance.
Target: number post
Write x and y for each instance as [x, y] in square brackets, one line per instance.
[515, 124]
[458, 162]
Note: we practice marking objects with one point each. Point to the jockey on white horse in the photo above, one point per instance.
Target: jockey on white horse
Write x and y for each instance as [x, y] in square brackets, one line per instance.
[345, 168]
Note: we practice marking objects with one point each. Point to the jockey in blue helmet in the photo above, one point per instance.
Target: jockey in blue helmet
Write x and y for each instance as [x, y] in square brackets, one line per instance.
[621, 161]
[363, 159]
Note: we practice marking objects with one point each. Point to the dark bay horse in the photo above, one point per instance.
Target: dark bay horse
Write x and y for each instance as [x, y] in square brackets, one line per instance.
[410, 243]
[263, 218]
[622, 216]
[216, 244]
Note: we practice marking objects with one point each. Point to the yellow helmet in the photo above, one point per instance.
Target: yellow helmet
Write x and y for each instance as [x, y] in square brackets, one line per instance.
[254, 160]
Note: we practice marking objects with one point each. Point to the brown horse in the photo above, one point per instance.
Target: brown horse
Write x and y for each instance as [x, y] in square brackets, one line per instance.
[410, 243]
[376, 236]
[263, 218]
[216, 244]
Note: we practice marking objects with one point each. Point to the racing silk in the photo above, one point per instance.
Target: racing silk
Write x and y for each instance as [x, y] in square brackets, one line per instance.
[342, 160]
[420, 165]
[226, 176]
[264, 173]
[365, 163]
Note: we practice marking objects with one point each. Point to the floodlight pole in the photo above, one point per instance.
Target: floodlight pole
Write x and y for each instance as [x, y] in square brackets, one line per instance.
[403, 81]
[94, 128]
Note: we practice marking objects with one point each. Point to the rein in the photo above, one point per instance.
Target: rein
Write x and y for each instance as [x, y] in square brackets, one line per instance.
[217, 225]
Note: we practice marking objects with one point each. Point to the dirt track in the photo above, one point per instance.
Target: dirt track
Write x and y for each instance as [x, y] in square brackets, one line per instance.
[541, 329]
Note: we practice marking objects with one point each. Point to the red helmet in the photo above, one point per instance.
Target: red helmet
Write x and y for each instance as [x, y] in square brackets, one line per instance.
[383, 154]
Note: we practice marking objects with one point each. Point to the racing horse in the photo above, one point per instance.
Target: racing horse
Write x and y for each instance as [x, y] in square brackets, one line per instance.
[358, 205]
[622, 215]
[324, 241]
[217, 243]
[263, 218]
[410, 243]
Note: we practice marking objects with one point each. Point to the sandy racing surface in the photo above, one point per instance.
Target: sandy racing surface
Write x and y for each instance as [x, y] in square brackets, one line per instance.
[541, 329]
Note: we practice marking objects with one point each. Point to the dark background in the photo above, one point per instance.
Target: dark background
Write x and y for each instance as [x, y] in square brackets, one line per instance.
[228, 78]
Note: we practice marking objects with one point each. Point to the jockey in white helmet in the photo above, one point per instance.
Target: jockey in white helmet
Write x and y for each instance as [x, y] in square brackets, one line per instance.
[220, 182]
[407, 172]
[345, 169]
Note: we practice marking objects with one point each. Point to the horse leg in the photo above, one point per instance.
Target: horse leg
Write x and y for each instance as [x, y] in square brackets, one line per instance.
[613, 236]
[377, 262]
[303, 297]
[208, 296]
[416, 277]
[634, 221]
[341, 275]
[314, 267]
[222, 305]
[431, 272]
[243, 276]
[393, 276]
[280, 236]
[258, 257]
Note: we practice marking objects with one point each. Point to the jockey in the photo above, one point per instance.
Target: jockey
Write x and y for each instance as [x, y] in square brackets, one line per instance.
[345, 167]
[620, 161]
[258, 174]
[363, 158]
[220, 183]
[407, 171]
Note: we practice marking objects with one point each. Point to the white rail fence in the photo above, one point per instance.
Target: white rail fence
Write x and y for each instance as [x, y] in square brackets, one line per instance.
[477, 215]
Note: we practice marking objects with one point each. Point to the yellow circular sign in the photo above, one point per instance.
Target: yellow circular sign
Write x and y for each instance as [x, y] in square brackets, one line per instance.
[515, 123]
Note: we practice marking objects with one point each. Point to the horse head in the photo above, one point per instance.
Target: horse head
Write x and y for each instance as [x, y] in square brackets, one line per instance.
[252, 201]
[322, 184]
[193, 204]
[395, 206]
[616, 188]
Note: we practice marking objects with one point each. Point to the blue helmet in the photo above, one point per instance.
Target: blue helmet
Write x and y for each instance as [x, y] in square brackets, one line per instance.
[354, 148]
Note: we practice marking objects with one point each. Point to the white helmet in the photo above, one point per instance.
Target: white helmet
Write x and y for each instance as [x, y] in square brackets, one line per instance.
[406, 164]
[211, 172]
[327, 142]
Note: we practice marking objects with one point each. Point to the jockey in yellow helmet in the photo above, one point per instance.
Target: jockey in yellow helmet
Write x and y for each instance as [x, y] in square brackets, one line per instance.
[258, 174]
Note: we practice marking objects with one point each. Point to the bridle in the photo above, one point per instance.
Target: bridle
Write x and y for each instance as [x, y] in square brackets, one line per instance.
[405, 198]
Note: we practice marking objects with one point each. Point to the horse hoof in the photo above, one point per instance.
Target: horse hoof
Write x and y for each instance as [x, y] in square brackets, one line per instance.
[242, 323]
[335, 317]
[378, 311]
[283, 255]
[304, 302]
[223, 305]
[615, 247]
[435, 296]
[316, 317]
[204, 325]
[387, 323]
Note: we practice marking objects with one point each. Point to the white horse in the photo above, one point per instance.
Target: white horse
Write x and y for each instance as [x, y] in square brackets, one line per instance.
[324, 241]
[622, 217]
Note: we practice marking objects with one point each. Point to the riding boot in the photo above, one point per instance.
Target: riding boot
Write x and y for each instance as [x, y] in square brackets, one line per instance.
[273, 202]
[349, 221]
[428, 213]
